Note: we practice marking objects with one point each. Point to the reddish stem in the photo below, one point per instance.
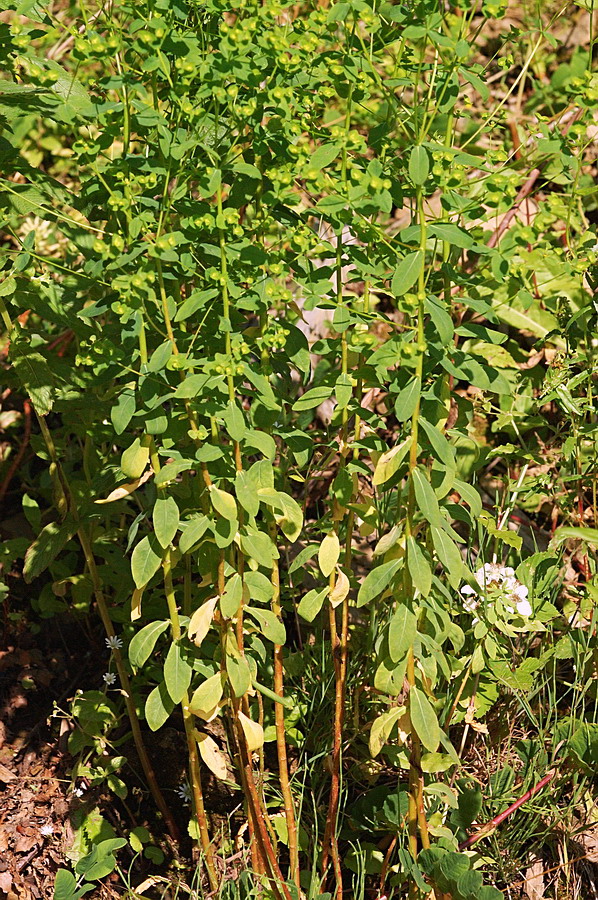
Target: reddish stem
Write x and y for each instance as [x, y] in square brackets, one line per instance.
[490, 826]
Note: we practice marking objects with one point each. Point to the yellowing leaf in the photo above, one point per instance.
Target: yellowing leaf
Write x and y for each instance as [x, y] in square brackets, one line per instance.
[382, 727]
[340, 589]
[329, 553]
[212, 755]
[136, 603]
[390, 461]
[201, 621]
[206, 698]
[125, 489]
[253, 731]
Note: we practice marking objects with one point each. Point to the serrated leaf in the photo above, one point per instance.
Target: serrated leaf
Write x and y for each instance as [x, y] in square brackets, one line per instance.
[423, 719]
[201, 621]
[270, 625]
[406, 273]
[177, 672]
[377, 581]
[329, 553]
[144, 641]
[165, 519]
[146, 559]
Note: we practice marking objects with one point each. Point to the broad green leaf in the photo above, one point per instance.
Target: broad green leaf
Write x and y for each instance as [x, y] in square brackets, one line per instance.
[158, 707]
[329, 553]
[224, 503]
[423, 719]
[311, 604]
[207, 697]
[261, 441]
[65, 885]
[165, 518]
[146, 559]
[196, 300]
[449, 555]
[389, 677]
[144, 641]
[377, 581]
[426, 498]
[35, 375]
[234, 422]
[419, 165]
[569, 532]
[230, 601]
[407, 400]
[193, 532]
[419, 567]
[406, 273]
[402, 631]
[123, 410]
[134, 460]
[246, 493]
[259, 546]
[238, 673]
[177, 672]
[270, 625]
[260, 588]
[46, 547]
[390, 462]
[201, 620]
[314, 397]
[453, 234]
[323, 156]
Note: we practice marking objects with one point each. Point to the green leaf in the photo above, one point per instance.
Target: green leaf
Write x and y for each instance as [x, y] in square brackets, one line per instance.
[238, 673]
[423, 719]
[449, 555]
[146, 559]
[166, 520]
[193, 532]
[261, 441]
[194, 301]
[406, 273]
[270, 625]
[259, 546]
[311, 604]
[177, 672]
[207, 696]
[135, 459]
[234, 422]
[144, 641]
[230, 600]
[65, 885]
[453, 234]
[158, 707]
[402, 630]
[123, 410]
[314, 397]
[426, 498]
[35, 375]
[569, 532]
[323, 156]
[46, 547]
[407, 400]
[246, 493]
[260, 588]
[419, 165]
[376, 581]
[390, 462]
[419, 568]
[224, 503]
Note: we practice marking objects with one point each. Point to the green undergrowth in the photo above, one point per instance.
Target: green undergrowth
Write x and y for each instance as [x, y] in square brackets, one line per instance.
[300, 301]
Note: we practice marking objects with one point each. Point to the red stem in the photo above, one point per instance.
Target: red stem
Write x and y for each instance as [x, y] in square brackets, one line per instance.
[490, 826]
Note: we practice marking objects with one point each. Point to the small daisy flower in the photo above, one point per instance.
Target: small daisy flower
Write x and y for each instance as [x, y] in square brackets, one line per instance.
[46, 830]
[184, 791]
[113, 642]
[78, 792]
[109, 679]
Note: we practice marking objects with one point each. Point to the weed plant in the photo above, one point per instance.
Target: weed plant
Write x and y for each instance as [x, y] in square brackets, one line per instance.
[301, 301]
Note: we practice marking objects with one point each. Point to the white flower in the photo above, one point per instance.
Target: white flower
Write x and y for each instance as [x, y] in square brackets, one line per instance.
[109, 678]
[184, 791]
[78, 792]
[502, 579]
[46, 830]
[113, 642]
